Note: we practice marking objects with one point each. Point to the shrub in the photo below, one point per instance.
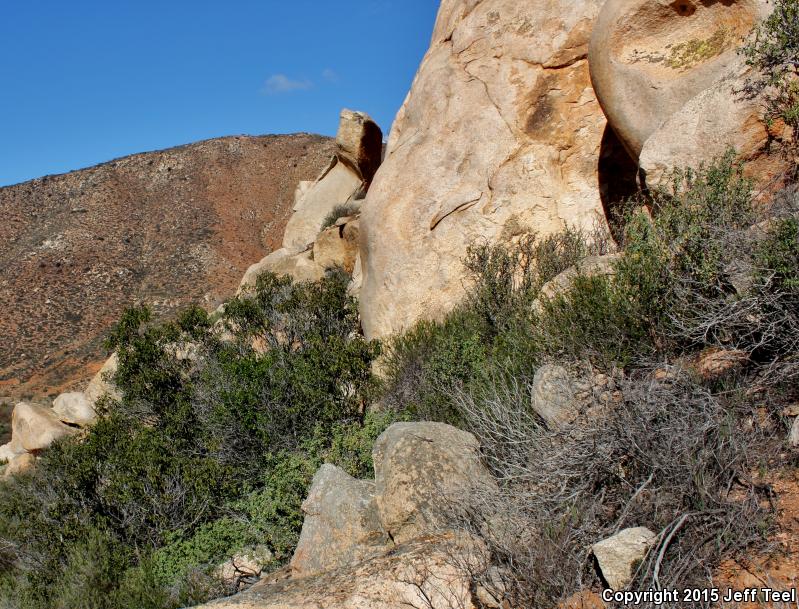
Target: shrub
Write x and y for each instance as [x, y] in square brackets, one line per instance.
[773, 50]
[670, 457]
[340, 211]
[202, 455]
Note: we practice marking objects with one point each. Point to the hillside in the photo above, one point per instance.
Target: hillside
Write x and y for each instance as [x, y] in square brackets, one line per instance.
[167, 228]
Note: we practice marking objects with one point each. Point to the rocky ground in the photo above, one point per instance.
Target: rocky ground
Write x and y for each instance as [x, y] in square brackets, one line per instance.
[165, 228]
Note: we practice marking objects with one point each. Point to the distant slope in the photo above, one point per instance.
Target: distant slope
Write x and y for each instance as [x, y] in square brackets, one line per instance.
[166, 228]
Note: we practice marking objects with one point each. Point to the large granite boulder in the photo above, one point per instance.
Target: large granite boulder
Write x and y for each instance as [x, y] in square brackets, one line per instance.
[360, 143]
[359, 150]
[299, 266]
[338, 185]
[36, 427]
[420, 468]
[103, 382]
[669, 77]
[337, 246]
[499, 137]
[341, 524]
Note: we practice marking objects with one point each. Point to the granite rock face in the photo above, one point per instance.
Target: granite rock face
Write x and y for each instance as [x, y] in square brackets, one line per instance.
[669, 78]
[499, 137]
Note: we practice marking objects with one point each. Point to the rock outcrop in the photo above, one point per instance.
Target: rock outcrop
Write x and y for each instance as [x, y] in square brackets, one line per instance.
[166, 229]
[359, 149]
[35, 427]
[669, 78]
[499, 137]
[102, 383]
[299, 266]
[337, 246]
[309, 247]
[592, 266]
[74, 408]
[553, 396]
[380, 544]
[417, 574]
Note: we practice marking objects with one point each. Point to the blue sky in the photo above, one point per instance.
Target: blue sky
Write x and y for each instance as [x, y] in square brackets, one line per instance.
[86, 81]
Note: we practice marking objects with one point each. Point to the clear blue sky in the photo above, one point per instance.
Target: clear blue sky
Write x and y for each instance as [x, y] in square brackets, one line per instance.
[85, 81]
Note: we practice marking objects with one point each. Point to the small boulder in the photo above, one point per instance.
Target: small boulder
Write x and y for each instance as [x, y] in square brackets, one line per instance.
[713, 363]
[245, 567]
[793, 438]
[341, 524]
[300, 267]
[36, 427]
[592, 266]
[103, 384]
[337, 246]
[619, 555]
[74, 408]
[420, 468]
[19, 465]
[360, 142]
[553, 396]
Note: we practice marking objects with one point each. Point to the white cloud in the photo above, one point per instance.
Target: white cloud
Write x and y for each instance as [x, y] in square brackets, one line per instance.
[280, 83]
[330, 75]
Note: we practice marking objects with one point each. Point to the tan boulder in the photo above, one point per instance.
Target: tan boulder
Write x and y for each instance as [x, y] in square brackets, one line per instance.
[300, 267]
[707, 126]
[360, 142]
[713, 362]
[37, 427]
[74, 408]
[245, 567]
[670, 78]
[500, 137]
[102, 384]
[341, 524]
[337, 246]
[339, 184]
[592, 266]
[420, 468]
[19, 465]
[649, 59]
[421, 573]
[618, 555]
[553, 396]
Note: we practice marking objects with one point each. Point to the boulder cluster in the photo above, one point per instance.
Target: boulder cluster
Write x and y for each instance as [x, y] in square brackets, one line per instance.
[323, 231]
[34, 427]
[381, 543]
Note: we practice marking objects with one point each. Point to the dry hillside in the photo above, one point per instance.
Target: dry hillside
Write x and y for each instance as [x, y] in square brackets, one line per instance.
[167, 228]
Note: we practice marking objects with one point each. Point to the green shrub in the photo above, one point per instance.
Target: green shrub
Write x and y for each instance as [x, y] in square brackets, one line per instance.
[201, 456]
[778, 257]
[773, 50]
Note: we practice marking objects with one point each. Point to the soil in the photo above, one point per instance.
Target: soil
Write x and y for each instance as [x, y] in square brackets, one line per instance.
[165, 229]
